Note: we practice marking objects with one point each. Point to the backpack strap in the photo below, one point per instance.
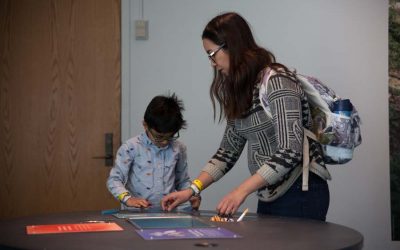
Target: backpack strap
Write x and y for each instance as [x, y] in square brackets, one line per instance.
[306, 156]
[263, 90]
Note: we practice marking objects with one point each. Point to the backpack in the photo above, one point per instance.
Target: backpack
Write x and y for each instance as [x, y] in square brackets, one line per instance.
[336, 127]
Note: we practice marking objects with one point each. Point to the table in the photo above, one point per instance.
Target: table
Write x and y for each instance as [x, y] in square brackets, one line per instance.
[258, 232]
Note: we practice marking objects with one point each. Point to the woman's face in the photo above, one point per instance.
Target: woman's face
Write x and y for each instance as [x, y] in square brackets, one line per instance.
[218, 56]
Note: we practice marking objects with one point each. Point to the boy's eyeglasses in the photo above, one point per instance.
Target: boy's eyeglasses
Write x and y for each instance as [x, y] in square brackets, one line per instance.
[162, 138]
[212, 53]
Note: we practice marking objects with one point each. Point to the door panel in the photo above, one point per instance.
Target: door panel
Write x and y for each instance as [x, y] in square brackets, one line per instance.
[59, 94]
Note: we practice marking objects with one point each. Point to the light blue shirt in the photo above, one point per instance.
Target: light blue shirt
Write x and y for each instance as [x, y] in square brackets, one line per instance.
[147, 171]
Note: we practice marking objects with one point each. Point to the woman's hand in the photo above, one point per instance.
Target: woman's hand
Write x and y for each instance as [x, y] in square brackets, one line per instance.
[137, 202]
[172, 200]
[231, 202]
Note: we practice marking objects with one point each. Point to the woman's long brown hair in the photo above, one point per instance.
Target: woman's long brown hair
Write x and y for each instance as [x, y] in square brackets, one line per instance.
[247, 60]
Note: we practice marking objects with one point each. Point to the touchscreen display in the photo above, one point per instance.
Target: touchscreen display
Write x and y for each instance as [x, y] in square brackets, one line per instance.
[168, 222]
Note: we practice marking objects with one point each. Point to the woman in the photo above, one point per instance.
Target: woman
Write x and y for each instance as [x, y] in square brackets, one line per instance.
[275, 141]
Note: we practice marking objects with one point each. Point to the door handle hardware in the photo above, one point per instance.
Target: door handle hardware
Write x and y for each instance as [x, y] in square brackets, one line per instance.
[108, 157]
[103, 157]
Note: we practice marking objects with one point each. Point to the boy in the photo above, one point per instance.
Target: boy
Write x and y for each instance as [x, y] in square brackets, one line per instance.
[152, 164]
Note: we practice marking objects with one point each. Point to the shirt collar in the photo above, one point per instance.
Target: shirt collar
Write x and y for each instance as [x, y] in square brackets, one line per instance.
[146, 141]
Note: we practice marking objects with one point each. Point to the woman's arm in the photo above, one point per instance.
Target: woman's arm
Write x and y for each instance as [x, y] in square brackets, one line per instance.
[228, 153]
[223, 160]
[172, 200]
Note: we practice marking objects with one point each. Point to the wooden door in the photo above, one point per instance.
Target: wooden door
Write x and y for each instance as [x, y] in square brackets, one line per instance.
[59, 94]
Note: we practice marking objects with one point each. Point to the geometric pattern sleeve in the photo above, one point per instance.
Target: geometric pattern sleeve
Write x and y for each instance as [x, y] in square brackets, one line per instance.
[228, 153]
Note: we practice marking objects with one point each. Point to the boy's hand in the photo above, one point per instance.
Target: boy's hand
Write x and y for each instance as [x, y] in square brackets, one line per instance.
[137, 202]
[195, 202]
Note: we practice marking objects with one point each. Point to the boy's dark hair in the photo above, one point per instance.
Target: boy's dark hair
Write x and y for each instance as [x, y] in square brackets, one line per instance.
[164, 114]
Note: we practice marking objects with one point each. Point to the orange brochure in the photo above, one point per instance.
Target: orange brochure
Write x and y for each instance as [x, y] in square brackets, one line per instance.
[73, 228]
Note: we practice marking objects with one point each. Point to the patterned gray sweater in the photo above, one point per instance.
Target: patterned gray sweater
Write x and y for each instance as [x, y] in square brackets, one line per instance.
[275, 145]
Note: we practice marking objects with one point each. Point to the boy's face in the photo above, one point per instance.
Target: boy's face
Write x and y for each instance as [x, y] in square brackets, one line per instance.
[160, 139]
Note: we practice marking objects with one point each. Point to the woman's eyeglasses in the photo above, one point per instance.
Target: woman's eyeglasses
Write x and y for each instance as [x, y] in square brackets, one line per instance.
[212, 53]
[163, 137]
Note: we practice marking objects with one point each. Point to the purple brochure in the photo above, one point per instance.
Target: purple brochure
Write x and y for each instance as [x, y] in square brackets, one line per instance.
[186, 233]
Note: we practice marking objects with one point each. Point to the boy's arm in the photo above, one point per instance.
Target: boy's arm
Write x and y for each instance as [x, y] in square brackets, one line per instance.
[182, 179]
[119, 172]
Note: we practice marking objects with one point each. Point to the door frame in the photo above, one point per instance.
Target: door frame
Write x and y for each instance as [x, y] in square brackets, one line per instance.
[126, 76]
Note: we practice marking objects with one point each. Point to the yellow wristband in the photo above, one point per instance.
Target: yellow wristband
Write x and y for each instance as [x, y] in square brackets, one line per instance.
[121, 196]
[198, 184]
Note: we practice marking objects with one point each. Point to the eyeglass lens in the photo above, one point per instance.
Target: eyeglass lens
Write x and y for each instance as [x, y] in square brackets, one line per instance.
[212, 54]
